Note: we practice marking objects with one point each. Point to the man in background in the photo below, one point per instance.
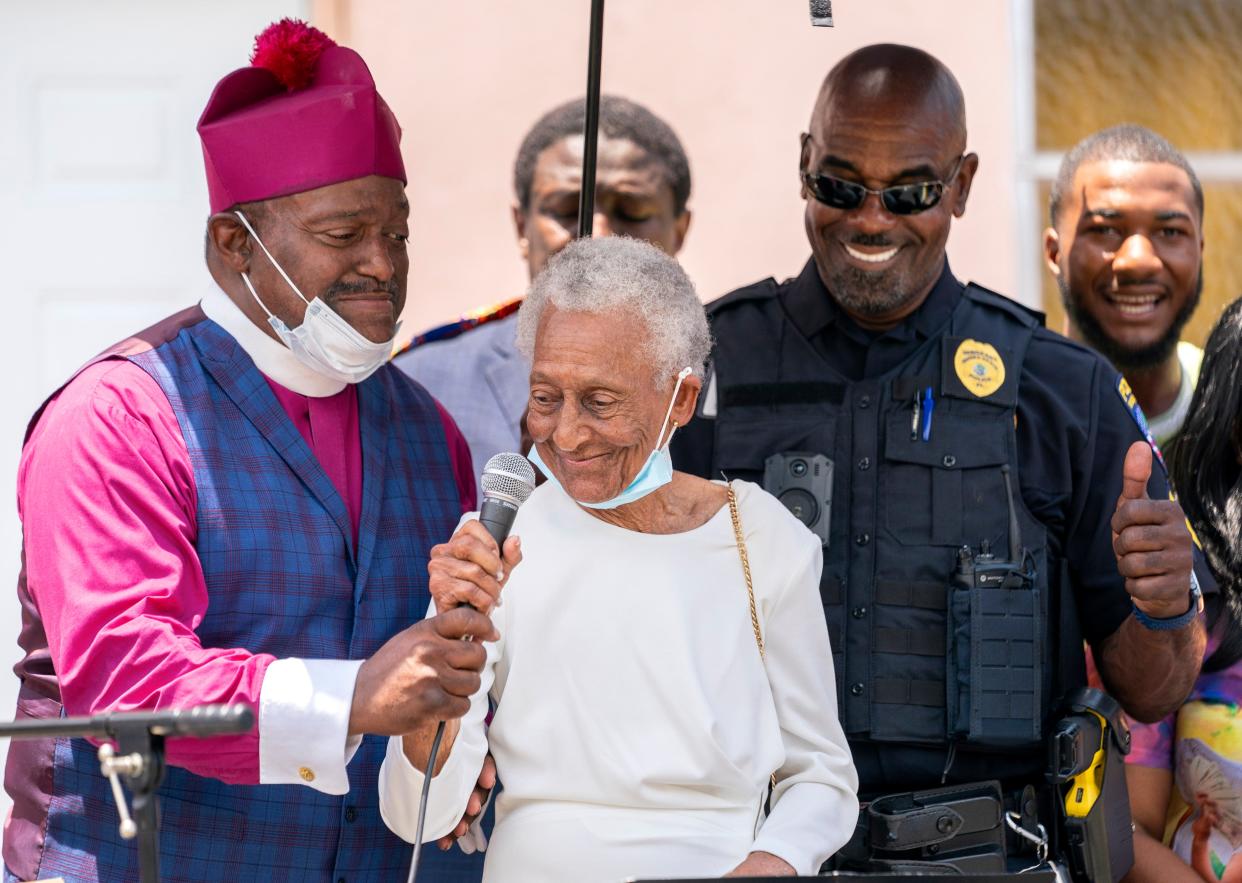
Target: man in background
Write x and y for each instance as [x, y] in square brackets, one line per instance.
[642, 186]
[1126, 250]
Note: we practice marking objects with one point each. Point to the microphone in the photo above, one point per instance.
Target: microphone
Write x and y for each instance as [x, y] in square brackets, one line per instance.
[821, 13]
[507, 481]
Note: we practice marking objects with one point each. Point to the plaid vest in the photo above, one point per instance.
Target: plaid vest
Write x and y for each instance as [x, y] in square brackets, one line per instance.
[284, 578]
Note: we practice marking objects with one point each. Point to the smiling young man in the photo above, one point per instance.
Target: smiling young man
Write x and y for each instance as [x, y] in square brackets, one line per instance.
[1126, 250]
[225, 508]
[931, 399]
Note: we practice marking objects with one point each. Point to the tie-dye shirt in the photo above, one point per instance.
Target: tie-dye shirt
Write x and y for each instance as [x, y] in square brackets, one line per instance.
[1201, 745]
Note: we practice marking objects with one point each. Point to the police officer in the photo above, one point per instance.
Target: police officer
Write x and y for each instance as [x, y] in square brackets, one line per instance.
[930, 398]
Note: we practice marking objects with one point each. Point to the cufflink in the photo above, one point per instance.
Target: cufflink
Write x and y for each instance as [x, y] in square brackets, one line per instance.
[307, 774]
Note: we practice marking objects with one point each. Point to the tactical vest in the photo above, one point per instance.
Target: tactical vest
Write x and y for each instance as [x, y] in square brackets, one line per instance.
[917, 661]
[284, 577]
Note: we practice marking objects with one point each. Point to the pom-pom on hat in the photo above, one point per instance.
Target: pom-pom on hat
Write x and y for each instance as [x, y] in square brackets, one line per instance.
[304, 115]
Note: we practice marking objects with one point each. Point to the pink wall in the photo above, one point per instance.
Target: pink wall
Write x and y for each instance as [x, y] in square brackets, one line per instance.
[735, 79]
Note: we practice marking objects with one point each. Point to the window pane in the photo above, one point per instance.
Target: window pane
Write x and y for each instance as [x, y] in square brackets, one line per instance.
[1222, 270]
[1171, 65]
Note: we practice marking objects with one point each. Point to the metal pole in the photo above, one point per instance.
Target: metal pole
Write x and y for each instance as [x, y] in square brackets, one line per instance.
[37, 728]
[590, 134]
[199, 721]
[139, 737]
[134, 738]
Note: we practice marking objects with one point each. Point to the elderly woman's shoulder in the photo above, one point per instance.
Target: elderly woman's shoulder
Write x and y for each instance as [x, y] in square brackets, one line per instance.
[765, 517]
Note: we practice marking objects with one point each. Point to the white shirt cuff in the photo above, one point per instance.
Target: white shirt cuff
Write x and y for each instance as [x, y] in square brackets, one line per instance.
[300, 697]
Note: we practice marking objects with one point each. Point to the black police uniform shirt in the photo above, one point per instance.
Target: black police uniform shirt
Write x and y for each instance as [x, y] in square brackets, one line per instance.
[1072, 432]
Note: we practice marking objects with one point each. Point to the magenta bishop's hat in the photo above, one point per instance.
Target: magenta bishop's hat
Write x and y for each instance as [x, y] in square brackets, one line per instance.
[305, 114]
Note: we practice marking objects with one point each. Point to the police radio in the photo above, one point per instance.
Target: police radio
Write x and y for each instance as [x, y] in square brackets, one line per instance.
[994, 697]
[803, 482]
[983, 569]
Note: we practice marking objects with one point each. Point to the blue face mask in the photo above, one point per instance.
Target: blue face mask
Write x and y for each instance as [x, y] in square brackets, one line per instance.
[656, 472]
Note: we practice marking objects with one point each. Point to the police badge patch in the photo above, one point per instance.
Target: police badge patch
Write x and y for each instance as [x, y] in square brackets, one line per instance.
[975, 369]
[979, 366]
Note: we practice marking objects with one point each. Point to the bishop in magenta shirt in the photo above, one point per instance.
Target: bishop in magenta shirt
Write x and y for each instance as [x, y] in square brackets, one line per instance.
[121, 591]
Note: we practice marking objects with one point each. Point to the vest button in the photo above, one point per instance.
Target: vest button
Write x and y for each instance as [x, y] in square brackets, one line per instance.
[859, 612]
[351, 814]
[949, 461]
[864, 402]
[864, 464]
[862, 539]
[856, 689]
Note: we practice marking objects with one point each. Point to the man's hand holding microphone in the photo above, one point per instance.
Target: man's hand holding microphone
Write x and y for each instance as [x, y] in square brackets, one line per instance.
[428, 672]
[467, 575]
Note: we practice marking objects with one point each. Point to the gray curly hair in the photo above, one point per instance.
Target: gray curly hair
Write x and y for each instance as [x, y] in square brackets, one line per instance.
[620, 273]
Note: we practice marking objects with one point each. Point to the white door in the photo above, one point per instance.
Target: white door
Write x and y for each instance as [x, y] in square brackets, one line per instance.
[102, 197]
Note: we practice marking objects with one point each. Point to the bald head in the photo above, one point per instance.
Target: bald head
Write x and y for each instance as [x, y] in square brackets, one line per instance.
[888, 80]
[884, 170]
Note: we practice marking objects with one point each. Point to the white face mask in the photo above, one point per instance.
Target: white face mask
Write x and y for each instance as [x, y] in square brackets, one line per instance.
[324, 342]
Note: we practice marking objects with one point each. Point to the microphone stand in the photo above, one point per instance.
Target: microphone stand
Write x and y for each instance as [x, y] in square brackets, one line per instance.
[139, 757]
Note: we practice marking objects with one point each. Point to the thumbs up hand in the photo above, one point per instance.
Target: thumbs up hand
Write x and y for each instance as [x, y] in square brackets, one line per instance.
[1151, 542]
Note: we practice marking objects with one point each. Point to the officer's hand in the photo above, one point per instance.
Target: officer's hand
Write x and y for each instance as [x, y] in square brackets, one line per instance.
[468, 568]
[424, 674]
[474, 805]
[1151, 542]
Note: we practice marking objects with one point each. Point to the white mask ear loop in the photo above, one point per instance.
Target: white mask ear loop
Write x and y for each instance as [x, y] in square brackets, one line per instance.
[272, 260]
[685, 372]
[255, 295]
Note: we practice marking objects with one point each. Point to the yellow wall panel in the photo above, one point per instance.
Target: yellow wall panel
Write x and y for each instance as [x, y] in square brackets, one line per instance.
[1171, 65]
[1222, 261]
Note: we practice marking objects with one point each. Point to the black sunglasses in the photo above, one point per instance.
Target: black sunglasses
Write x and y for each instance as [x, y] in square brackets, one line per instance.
[900, 199]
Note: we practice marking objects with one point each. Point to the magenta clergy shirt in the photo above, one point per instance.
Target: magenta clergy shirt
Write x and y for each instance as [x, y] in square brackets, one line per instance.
[120, 588]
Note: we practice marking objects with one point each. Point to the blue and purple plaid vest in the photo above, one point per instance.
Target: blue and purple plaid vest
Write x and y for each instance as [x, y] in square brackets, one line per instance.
[284, 578]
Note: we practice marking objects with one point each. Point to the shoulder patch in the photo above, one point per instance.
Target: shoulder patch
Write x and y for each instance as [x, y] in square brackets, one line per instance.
[1140, 420]
[1132, 405]
[1136, 412]
[467, 322]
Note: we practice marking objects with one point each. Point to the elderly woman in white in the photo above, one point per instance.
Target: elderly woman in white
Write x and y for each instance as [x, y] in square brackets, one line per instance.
[663, 655]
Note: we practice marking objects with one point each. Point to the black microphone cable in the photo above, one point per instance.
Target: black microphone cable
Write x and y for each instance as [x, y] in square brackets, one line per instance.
[422, 802]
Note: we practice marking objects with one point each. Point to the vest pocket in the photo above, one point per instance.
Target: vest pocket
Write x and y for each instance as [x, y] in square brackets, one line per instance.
[939, 492]
[908, 645]
[995, 676]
